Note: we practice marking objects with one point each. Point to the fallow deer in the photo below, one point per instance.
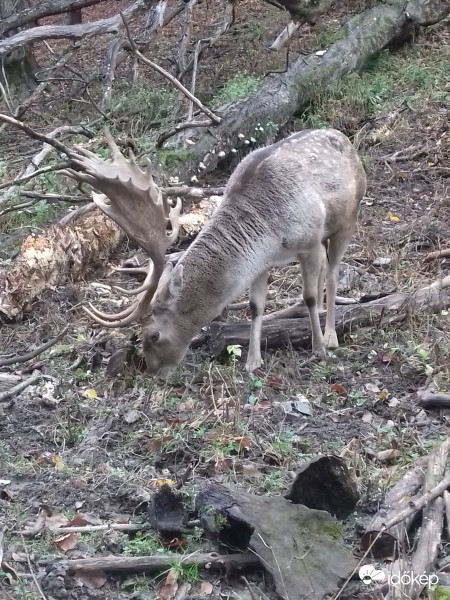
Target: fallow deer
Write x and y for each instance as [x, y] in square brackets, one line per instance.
[295, 200]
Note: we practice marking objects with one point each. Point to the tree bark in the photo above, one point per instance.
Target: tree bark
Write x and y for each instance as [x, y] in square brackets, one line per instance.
[262, 114]
[19, 65]
[30, 15]
[297, 332]
[73, 32]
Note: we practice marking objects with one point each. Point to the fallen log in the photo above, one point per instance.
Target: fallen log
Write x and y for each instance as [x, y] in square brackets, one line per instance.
[423, 559]
[52, 257]
[387, 543]
[256, 120]
[297, 332]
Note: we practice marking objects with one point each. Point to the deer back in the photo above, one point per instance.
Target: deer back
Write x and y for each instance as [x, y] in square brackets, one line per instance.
[280, 202]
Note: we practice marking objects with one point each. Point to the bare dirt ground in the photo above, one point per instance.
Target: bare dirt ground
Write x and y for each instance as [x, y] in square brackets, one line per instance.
[83, 441]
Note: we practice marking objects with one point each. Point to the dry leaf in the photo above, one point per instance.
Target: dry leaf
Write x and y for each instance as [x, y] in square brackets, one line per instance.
[57, 462]
[386, 455]
[367, 417]
[83, 519]
[170, 586]
[206, 588]
[55, 521]
[19, 557]
[339, 389]
[249, 470]
[92, 579]
[372, 387]
[132, 416]
[90, 394]
[66, 542]
[392, 218]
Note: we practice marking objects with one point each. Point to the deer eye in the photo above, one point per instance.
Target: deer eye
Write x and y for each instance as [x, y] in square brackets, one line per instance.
[155, 337]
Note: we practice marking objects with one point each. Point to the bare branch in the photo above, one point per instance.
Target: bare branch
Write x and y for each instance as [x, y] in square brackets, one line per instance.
[181, 127]
[73, 32]
[17, 389]
[175, 82]
[27, 177]
[41, 10]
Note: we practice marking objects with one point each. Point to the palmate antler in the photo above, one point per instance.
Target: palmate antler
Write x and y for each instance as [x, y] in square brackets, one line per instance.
[130, 197]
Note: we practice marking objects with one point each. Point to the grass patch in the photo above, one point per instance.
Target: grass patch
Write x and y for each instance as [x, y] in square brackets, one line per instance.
[146, 100]
[409, 77]
[239, 86]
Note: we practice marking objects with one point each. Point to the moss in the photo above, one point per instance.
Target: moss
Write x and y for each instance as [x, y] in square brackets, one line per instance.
[171, 158]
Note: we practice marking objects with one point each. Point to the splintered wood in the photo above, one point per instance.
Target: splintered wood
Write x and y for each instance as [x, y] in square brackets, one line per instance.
[53, 257]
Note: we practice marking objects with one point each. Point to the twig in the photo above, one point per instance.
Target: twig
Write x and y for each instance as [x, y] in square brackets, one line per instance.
[420, 502]
[195, 192]
[194, 78]
[36, 135]
[126, 564]
[170, 77]
[26, 357]
[446, 497]
[20, 386]
[181, 127]
[50, 198]
[36, 583]
[437, 254]
[74, 214]
[25, 178]
[129, 527]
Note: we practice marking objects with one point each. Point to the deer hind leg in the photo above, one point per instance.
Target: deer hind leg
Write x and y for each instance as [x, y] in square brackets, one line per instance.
[311, 266]
[323, 268]
[258, 291]
[336, 250]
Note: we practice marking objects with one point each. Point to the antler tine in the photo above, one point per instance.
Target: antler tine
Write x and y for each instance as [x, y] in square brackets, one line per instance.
[115, 152]
[117, 322]
[148, 282]
[111, 316]
[174, 218]
[131, 270]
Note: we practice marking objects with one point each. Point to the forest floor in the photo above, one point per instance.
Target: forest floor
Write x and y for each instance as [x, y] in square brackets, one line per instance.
[82, 441]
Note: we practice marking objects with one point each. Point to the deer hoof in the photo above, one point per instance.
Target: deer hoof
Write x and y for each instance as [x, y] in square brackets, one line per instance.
[330, 339]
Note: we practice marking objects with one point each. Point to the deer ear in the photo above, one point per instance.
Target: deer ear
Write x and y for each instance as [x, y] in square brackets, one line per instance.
[176, 282]
[170, 285]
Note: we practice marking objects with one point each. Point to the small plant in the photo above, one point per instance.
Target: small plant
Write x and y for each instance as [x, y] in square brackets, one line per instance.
[189, 573]
[170, 158]
[142, 544]
[239, 86]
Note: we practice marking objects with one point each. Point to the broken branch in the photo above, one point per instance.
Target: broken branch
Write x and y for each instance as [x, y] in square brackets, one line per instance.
[17, 389]
[127, 564]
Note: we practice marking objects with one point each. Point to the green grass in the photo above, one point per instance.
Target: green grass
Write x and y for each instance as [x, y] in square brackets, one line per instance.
[239, 86]
[409, 77]
[144, 99]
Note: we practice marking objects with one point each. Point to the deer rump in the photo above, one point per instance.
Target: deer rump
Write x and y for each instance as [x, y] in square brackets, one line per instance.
[296, 200]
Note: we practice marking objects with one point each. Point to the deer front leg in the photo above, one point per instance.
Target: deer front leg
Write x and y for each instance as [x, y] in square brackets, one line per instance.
[258, 291]
[311, 265]
[336, 249]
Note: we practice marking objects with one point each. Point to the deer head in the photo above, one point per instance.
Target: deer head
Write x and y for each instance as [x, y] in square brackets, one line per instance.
[131, 198]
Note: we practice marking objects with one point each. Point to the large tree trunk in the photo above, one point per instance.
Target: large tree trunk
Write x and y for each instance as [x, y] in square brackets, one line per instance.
[262, 114]
[19, 64]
